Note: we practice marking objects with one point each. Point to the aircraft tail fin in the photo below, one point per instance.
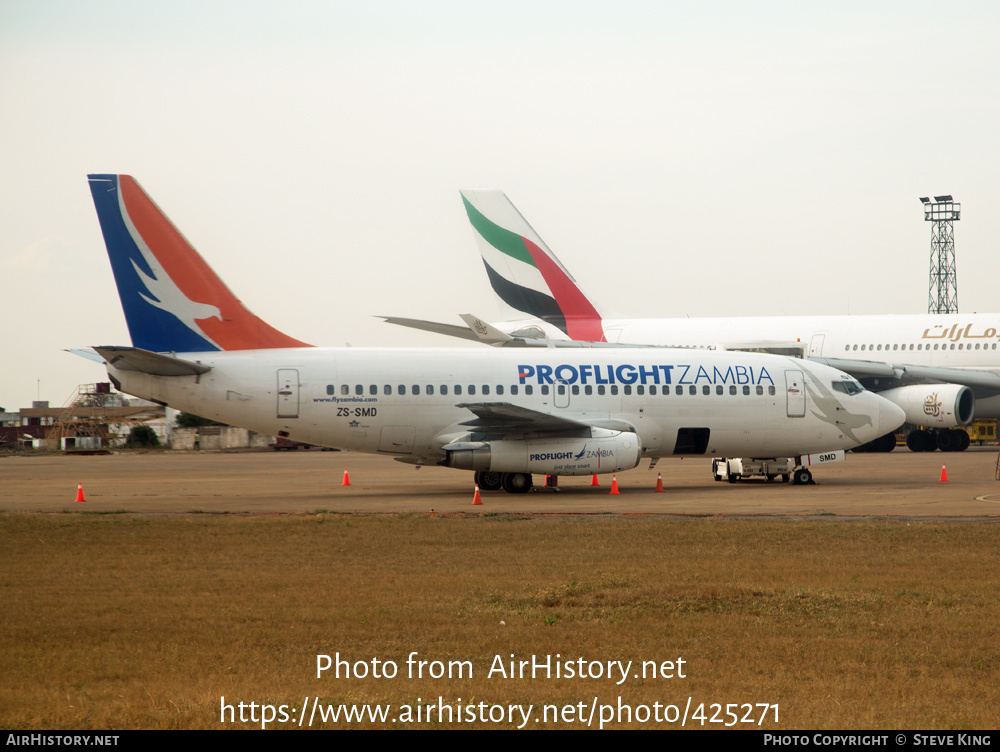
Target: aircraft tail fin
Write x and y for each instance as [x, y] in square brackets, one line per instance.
[172, 299]
[526, 276]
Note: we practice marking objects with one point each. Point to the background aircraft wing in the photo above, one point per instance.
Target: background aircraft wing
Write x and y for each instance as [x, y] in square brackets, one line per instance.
[983, 383]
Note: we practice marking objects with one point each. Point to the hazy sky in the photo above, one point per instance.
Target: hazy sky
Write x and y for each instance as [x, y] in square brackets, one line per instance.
[718, 158]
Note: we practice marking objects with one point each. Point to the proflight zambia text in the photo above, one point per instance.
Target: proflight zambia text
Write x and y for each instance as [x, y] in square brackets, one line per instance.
[642, 374]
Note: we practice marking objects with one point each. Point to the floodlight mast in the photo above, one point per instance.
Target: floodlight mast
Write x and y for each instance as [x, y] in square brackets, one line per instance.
[942, 292]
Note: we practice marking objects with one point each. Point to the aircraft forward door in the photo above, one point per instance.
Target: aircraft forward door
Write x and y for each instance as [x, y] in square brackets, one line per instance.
[288, 393]
[795, 391]
[816, 345]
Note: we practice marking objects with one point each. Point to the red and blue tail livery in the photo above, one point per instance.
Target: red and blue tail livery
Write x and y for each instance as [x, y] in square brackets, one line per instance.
[172, 299]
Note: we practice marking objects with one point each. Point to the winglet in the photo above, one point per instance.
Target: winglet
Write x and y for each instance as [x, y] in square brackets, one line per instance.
[172, 299]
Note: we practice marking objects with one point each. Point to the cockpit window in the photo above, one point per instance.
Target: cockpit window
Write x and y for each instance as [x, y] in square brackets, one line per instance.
[848, 386]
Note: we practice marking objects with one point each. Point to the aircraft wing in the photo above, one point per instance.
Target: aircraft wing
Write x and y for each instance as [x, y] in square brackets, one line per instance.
[983, 383]
[505, 418]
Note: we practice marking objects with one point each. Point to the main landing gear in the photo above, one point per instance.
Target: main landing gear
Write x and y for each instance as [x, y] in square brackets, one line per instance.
[945, 439]
[515, 483]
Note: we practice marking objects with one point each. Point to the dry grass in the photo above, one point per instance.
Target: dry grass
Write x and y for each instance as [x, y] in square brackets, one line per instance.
[121, 621]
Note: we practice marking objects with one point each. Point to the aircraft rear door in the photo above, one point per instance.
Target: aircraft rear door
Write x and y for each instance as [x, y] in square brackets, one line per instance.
[288, 393]
[795, 389]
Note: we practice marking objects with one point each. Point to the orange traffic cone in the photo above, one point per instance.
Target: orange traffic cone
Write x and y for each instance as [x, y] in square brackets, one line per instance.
[79, 493]
[944, 474]
[594, 481]
[614, 486]
[477, 500]
[659, 483]
[347, 478]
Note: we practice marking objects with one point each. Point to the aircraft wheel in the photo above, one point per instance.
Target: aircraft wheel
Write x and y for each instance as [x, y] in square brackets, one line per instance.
[801, 477]
[921, 441]
[489, 481]
[769, 478]
[964, 439]
[516, 483]
[785, 477]
[885, 443]
[948, 441]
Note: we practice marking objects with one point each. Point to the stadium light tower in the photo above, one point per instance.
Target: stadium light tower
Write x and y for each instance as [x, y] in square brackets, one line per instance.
[942, 292]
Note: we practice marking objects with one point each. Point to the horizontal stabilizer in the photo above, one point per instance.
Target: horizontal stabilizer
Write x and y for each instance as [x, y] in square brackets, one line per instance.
[144, 361]
[87, 353]
[484, 331]
[452, 330]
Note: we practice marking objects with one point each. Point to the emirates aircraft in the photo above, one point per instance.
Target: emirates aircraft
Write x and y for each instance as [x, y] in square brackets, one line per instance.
[504, 414]
[940, 369]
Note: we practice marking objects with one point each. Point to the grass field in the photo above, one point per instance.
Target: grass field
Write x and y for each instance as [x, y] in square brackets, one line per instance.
[129, 621]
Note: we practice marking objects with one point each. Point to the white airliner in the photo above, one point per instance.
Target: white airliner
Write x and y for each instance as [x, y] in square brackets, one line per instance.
[941, 369]
[502, 413]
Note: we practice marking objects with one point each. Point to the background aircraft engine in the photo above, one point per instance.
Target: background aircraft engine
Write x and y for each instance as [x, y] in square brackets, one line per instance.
[934, 405]
[571, 456]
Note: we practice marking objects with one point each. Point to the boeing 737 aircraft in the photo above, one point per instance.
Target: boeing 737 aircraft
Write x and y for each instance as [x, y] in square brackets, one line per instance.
[941, 369]
[504, 414]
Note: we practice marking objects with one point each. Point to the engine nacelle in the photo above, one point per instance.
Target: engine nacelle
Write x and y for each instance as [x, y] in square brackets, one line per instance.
[938, 405]
[604, 452]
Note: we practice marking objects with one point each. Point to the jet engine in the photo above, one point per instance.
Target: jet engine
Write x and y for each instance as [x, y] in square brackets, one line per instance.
[934, 405]
[603, 452]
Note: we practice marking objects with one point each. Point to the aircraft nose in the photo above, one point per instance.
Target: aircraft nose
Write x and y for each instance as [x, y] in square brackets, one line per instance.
[890, 416]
